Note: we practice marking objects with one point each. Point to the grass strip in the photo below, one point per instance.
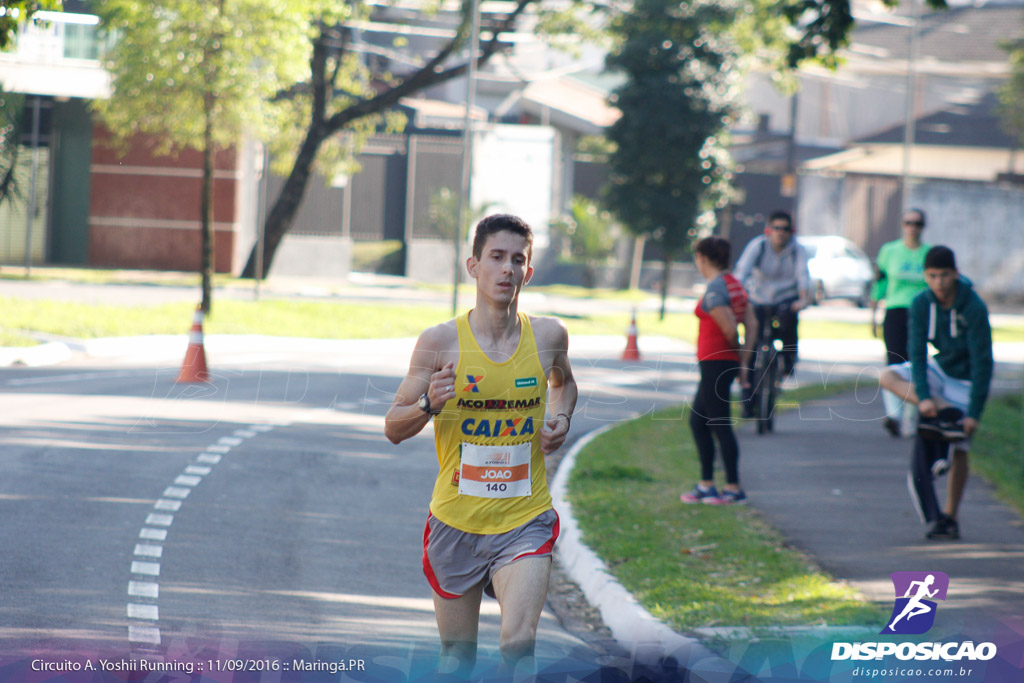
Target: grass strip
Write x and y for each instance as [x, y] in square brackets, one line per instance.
[997, 450]
[697, 566]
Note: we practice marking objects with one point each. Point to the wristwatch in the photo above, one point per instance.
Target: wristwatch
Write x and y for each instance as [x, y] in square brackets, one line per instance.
[424, 404]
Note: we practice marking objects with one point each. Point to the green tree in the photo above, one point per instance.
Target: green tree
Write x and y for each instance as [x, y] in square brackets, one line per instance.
[670, 168]
[14, 12]
[200, 74]
[1011, 94]
[591, 233]
[669, 165]
[333, 106]
[12, 111]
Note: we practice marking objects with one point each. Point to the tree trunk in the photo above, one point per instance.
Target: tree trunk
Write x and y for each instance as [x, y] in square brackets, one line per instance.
[282, 214]
[206, 209]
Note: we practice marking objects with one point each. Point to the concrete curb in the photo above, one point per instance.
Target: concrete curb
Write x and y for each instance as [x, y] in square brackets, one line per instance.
[49, 353]
[633, 627]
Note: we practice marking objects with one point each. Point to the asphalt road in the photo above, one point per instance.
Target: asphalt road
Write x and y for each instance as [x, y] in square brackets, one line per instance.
[262, 515]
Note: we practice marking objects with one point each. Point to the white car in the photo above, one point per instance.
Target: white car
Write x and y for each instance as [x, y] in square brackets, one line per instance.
[839, 269]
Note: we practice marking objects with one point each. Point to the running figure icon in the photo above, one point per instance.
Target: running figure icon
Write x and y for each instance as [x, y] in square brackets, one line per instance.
[915, 606]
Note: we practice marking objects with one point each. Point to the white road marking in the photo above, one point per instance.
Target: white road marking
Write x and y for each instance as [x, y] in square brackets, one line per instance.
[144, 589]
[146, 568]
[171, 502]
[144, 634]
[150, 612]
[159, 520]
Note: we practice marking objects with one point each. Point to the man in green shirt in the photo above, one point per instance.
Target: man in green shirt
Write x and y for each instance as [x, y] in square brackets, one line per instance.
[900, 267]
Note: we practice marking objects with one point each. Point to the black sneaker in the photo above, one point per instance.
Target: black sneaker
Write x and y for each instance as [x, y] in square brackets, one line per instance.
[892, 426]
[945, 528]
[947, 425]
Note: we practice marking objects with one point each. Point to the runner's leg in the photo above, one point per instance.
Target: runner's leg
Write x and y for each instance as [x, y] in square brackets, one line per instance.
[521, 588]
[958, 471]
[458, 623]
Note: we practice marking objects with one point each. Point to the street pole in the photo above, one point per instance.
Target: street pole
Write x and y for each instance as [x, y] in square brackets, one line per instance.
[467, 147]
[30, 219]
[910, 107]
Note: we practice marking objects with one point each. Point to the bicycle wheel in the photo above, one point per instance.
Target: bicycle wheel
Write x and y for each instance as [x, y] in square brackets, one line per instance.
[768, 390]
[757, 397]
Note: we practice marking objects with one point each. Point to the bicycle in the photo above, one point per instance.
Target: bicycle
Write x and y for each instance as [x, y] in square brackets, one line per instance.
[767, 368]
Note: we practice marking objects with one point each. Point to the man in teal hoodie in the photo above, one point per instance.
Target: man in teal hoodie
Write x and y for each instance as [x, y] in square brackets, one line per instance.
[950, 388]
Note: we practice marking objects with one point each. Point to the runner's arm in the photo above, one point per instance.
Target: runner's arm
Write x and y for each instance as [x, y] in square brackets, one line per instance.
[562, 390]
[426, 374]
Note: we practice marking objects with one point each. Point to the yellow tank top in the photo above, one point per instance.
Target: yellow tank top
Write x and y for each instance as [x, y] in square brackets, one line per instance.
[492, 476]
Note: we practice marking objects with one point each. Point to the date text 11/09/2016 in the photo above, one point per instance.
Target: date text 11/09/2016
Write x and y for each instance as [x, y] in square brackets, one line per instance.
[200, 666]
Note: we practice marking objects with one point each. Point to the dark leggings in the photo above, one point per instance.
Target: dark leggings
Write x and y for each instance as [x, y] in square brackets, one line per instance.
[710, 418]
[894, 332]
[922, 480]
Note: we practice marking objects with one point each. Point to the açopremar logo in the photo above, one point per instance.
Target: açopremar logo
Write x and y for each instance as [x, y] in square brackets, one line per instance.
[915, 607]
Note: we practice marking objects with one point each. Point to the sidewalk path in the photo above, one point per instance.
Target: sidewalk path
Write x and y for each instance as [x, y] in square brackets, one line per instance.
[835, 484]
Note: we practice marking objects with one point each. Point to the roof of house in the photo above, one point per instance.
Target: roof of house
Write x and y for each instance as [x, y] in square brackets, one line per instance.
[948, 163]
[958, 34]
[967, 124]
[568, 102]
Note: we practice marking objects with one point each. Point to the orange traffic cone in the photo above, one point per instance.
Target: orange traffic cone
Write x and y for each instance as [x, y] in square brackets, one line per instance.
[632, 352]
[194, 368]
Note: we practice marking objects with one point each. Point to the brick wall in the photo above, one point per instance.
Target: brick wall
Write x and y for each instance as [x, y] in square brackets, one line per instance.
[144, 207]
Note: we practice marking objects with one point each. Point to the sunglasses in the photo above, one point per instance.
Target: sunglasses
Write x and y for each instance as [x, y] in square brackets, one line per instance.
[916, 223]
[783, 228]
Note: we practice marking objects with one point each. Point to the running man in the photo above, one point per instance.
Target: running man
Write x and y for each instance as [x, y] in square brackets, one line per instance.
[914, 606]
[500, 389]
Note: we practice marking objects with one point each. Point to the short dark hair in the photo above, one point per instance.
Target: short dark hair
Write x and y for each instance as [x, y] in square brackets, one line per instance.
[940, 257]
[780, 216]
[496, 223]
[919, 212]
[714, 249]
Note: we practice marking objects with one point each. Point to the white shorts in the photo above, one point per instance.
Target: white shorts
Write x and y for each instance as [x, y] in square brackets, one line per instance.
[955, 392]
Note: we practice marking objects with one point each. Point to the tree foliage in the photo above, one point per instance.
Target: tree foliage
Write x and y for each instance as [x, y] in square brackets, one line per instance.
[1011, 94]
[201, 74]
[14, 12]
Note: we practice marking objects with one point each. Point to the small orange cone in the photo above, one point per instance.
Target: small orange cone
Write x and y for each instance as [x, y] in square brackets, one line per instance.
[632, 352]
[194, 368]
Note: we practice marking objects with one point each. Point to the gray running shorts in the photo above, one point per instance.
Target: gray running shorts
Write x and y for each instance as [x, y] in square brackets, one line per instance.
[454, 561]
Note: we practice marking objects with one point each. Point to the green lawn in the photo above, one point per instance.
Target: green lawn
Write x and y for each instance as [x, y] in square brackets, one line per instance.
[700, 566]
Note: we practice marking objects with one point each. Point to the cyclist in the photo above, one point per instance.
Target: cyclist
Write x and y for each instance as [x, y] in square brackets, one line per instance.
[773, 269]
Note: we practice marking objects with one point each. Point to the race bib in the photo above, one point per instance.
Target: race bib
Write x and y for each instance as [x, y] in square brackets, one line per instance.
[495, 471]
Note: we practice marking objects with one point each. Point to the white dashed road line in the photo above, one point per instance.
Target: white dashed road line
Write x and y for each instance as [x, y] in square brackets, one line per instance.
[143, 590]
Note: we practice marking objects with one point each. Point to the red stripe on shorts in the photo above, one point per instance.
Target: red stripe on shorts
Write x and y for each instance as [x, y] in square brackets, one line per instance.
[428, 571]
[548, 544]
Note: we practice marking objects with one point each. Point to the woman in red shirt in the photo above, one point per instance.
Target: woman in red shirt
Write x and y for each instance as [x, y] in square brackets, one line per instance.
[720, 357]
